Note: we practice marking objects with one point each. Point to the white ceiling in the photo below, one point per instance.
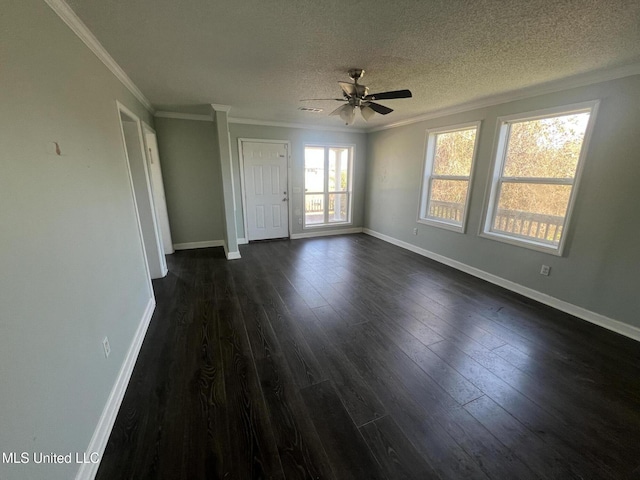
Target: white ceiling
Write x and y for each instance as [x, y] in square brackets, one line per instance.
[262, 56]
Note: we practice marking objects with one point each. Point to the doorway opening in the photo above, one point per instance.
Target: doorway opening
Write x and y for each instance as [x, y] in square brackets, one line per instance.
[142, 192]
[157, 187]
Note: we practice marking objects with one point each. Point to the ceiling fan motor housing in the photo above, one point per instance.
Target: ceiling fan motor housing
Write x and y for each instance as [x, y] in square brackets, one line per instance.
[356, 74]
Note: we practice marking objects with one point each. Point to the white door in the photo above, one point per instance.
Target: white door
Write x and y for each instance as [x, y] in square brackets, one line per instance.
[157, 187]
[265, 188]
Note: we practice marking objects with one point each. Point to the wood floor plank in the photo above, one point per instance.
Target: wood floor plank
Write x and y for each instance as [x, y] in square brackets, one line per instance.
[442, 409]
[432, 441]
[359, 400]
[349, 454]
[300, 450]
[252, 446]
[135, 434]
[575, 411]
[347, 357]
[542, 459]
[577, 448]
[302, 363]
[445, 376]
[208, 396]
[395, 453]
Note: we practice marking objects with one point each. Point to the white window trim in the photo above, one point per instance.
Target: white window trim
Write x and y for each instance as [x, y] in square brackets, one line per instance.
[349, 191]
[427, 176]
[497, 167]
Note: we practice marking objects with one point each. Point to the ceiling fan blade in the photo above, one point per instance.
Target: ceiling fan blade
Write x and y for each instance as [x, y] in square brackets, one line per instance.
[348, 88]
[367, 112]
[389, 95]
[348, 114]
[316, 99]
[338, 110]
[381, 109]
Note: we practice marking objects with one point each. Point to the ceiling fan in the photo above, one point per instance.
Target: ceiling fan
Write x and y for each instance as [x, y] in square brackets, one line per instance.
[357, 96]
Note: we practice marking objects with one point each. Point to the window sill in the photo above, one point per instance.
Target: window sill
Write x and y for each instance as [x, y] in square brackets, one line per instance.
[444, 225]
[520, 242]
[325, 225]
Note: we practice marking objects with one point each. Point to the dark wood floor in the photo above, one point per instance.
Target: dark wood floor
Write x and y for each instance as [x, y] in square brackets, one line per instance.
[346, 357]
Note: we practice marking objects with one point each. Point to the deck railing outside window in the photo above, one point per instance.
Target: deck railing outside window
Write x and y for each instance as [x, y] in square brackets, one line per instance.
[544, 228]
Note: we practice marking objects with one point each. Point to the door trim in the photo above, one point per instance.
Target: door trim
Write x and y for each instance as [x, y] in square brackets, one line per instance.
[121, 109]
[242, 180]
[167, 242]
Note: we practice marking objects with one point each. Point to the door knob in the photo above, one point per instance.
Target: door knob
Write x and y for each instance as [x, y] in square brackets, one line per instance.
[284, 199]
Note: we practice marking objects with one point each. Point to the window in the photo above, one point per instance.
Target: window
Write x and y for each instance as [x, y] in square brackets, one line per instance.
[448, 165]
[327, 185]
[536, 170]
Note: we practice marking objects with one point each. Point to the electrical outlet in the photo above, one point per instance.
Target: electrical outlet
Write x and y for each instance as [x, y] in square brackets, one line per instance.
[299, 221]
[545, 270]
[106, 346]
[415, 231]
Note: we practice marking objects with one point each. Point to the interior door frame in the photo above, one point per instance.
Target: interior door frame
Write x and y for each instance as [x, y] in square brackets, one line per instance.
[242, 181]
[147, 130]
[121, 109]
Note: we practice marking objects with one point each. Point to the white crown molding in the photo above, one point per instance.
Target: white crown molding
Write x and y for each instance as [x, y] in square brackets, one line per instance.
[249, 121]
[218, 107]
[69, 17]
[574, 81]
[575, 310]
[62, 9]
[184, 116]
[102, 432]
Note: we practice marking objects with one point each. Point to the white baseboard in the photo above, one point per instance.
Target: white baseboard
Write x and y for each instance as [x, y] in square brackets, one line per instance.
[101, 434]
[235, 255]
[326, 233]
[192, 245]
[242, 241]
[580, 312]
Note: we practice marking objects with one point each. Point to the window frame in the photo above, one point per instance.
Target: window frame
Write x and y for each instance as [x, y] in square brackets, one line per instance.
[496, 178]
[326, 192]
[428, 176]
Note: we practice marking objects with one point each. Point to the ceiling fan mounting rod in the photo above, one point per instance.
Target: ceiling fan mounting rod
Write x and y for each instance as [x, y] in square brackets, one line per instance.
[356, 74]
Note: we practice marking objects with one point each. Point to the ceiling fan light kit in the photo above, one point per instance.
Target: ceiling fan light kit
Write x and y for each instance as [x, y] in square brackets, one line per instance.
[357, 96]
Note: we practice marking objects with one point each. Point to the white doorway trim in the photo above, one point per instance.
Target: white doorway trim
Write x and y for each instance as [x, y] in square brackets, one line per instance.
[242, 179]
[159, 263]
[157, 186]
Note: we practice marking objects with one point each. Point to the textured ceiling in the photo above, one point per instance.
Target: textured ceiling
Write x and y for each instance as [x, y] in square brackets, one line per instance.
[262, 56]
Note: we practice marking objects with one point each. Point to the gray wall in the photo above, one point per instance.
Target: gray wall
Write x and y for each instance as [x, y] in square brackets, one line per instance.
[192, 179]
[298, 138]
[71, 257]
[600, 268]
